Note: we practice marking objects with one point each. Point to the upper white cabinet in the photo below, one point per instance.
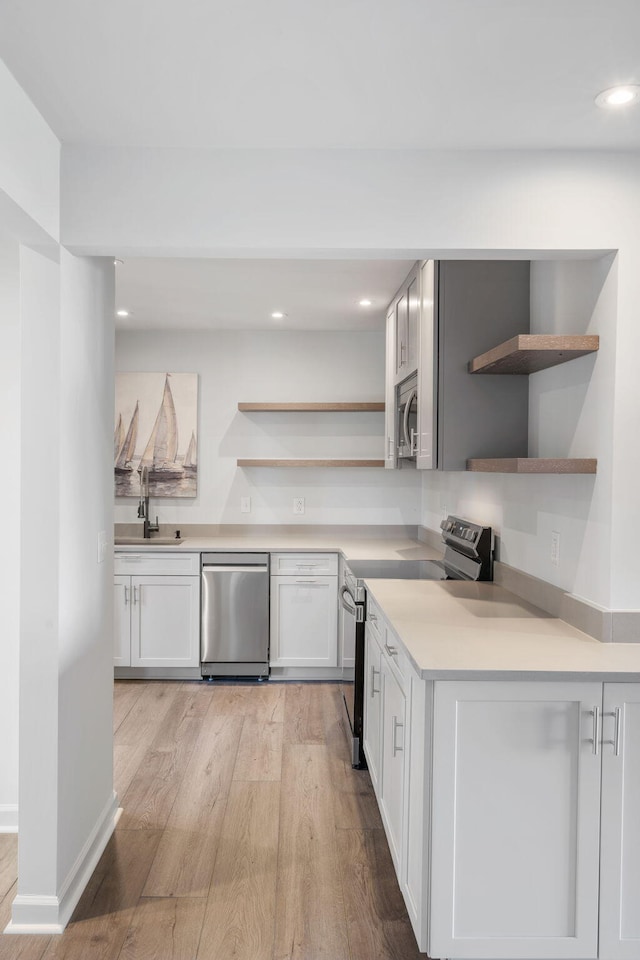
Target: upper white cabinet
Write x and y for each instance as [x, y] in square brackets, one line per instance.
[390, 393]
[406, 315]
[445, 313]
[304, 611]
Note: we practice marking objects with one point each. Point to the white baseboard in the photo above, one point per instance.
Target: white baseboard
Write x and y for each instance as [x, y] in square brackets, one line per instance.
[8, 817]
[48, 915]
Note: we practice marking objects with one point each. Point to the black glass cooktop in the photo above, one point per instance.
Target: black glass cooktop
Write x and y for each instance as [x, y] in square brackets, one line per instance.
[397, 569]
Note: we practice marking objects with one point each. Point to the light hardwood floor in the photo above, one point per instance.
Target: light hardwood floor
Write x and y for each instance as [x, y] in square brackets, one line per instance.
[245, 835]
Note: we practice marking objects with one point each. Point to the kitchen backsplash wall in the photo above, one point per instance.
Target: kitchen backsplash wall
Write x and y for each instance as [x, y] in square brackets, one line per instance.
[570, 414]
[265, 366]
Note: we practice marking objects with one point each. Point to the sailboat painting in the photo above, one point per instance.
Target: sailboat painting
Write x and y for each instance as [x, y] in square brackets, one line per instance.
[156, 426]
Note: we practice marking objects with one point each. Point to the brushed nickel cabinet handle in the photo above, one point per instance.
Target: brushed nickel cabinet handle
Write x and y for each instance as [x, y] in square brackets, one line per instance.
[373, 682]
[596, 724]
[396, 725]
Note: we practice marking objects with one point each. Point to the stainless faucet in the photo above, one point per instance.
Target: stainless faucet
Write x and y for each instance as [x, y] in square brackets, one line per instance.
[143, 507]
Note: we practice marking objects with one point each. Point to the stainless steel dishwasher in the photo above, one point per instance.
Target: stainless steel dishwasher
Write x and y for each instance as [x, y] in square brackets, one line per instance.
[234, 628]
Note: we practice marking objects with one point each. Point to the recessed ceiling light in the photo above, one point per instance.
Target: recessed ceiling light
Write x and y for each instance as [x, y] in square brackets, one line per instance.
[364, 303]
[123, 313]
[619, 96]
[277, 315]
[117, 261]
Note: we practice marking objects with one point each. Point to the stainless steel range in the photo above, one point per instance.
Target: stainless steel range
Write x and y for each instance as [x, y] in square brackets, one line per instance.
[468, 556]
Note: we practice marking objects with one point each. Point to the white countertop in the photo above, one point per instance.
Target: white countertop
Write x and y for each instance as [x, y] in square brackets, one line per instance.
[354, 548]
[450, 629]
[454, 630]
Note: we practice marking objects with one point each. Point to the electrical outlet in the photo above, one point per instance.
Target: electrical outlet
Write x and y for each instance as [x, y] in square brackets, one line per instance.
[555, 548]
[245, 504]
[298, 505]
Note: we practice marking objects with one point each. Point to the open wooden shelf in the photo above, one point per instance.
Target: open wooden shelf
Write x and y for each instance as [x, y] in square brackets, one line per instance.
[338, 407]
[533, 465]
[529, 353]
[310, 463]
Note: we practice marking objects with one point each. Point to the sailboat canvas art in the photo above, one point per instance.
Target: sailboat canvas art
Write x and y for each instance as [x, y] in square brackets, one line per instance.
[156, 426]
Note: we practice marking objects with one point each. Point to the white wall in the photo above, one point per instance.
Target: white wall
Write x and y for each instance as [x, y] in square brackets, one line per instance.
[402, 203]
[29, 213]
[85, 644]
[10, 557]
[29, 157]
[40, 530]
[571, 412]
[288, 366]
[66, 770]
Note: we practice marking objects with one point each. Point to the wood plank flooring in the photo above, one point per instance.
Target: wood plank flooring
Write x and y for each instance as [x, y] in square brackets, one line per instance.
[245, 835]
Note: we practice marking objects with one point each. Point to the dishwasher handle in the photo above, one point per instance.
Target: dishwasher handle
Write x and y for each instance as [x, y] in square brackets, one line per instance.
[238, 568]
[217, 561]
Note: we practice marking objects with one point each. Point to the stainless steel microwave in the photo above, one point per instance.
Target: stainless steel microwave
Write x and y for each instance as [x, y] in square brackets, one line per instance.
[407, 419]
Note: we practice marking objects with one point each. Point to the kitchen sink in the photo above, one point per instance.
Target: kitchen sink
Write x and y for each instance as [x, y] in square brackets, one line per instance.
[142, 542]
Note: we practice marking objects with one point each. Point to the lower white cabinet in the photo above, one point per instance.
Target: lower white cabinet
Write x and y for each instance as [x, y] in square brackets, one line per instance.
[620, 829]
[392, 742]
[372, 706]
[385, 729]
[515, 820]
[156, 617]
[304, 621]
[510, 808]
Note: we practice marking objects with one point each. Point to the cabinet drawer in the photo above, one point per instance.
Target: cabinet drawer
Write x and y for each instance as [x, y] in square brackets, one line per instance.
[157, 564]
[304, 564]
[394, 654]
[376, 621]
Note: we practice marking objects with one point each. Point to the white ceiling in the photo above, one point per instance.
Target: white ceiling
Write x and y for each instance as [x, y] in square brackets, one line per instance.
[168, 294]
[334, 73]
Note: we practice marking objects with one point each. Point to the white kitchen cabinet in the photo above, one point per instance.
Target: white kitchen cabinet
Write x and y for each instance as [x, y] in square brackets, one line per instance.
[406, 320]
[510, 809]
[122, 621]
[372, 713]
[391, 781]
[156, 614]
[515, 820]
[390, 395]
[304, 621]
[445, 313]
[620, 832]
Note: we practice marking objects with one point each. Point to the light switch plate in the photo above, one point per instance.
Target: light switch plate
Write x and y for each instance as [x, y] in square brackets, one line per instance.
[245, 504]
[298, 505]
[102, 546]
[555, 548]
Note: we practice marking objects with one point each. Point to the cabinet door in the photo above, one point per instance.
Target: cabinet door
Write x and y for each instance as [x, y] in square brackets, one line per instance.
[122, 621]
[515, 820]
[390, 395]
[372, 706]
[620, 833]
[304, 621]
[392, 763]
[401, 309]
[413, 316]
[426, 458]
[165, 622]
[417, 744]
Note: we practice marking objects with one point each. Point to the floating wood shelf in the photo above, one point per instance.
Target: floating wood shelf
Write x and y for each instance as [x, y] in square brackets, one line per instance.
[339, 407]
[529, 353]
[533, 465]
[310, 463]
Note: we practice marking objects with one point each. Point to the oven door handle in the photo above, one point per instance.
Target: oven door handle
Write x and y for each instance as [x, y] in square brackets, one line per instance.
[407, 411]
[356, 610]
